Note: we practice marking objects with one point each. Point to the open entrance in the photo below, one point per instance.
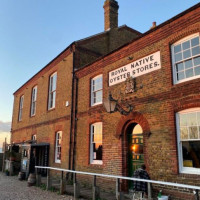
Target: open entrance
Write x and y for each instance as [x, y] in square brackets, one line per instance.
[135, 149]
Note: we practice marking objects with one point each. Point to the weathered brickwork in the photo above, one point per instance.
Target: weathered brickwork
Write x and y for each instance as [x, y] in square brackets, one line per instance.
[155, 105]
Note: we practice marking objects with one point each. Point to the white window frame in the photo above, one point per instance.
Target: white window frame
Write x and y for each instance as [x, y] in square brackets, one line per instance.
[93, 91]
[33, 137]
[52, 91]
[58, 145]
[182, 169]
[175, 81]
[21, 105]
[33, 101]
[92, 161]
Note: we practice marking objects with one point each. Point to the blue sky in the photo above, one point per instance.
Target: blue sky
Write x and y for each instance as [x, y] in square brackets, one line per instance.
[33, 32]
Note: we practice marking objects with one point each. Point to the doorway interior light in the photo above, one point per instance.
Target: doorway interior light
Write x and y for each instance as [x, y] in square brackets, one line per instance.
[111, 105]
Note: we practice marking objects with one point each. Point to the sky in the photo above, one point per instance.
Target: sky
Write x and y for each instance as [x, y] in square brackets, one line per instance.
[33, 32]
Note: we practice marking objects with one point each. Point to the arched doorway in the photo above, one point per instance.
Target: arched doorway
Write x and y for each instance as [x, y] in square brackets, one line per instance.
[135, 159]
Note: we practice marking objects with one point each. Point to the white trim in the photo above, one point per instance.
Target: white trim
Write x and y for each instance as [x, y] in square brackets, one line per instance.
[92, 92]
[92, 161]
[57, 146]
[175, 81]
[21, 105]
[182, 169]
[33, 100]
[51, 92]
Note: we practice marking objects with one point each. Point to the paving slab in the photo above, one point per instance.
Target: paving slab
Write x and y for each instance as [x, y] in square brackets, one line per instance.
[13, 189]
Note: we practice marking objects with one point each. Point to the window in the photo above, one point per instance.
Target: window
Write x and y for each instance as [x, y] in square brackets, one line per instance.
[188, 130]
[33, 101]
[21, 102]
[96, 143]
[58, 147]
[186, 59]
[96, 90]
[52, 91]
[33, 137]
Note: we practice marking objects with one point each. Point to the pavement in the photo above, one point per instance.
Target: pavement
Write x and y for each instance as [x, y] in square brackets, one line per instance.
[13, 189]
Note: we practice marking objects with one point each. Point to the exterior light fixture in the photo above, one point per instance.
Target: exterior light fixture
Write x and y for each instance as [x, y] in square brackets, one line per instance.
[111, 105]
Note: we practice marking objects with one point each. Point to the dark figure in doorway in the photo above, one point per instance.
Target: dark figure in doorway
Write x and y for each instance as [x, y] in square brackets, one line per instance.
[33, 161]
[141, 173]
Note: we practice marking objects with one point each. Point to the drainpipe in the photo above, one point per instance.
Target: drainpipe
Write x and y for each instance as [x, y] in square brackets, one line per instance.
[71, 115]
[75, 121]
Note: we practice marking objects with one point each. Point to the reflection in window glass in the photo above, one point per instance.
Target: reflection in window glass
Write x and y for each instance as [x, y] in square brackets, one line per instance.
[186, 59]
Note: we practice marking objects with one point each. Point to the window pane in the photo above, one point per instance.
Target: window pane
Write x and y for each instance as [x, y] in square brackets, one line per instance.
[195, 41]
[188, 64]
[178, 57]
[177, 48]
[195, 50]
[99, 96]
[183, 120]
[192, 119]
[197, 71]
[184, 133]
[186, 54]
[97, 151]
[186, 45]
[180, 67]
[189, 73]
[193, 132]
[196, 61]
[180, 76]
[198, 118]
[191, 154]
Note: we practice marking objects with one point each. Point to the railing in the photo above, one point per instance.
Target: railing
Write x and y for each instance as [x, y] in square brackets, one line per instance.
[195, 189]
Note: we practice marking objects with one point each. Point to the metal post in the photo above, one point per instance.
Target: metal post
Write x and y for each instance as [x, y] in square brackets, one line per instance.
[76, 188]
[48, 179]
[95, 189]
[118, 189]
[197, 194]
[149, 191]
[38, 178]
[62, 184]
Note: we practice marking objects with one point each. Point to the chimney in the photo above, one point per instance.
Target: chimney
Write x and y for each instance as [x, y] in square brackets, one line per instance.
[153, 25]
[110, 14]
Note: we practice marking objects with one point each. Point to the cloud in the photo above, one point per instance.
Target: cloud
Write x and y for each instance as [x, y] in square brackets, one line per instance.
[5, 126]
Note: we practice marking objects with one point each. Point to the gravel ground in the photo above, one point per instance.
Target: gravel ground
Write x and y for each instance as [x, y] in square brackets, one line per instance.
[13, 189]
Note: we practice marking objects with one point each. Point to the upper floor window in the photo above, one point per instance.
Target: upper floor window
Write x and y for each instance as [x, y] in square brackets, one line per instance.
[186, 59]
[96, 90]
[52, 91]
[33, 137]
[21, 103]
[96, 143]
[188, 136]
[58, 147]
[33, 101]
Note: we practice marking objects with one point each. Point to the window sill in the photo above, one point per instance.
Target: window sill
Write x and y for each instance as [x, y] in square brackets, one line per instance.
[51, 109]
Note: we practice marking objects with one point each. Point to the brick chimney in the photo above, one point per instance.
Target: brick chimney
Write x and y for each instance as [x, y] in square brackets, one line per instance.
[110, 14]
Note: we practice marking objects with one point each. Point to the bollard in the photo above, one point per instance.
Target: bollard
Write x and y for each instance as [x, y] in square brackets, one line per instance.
[197, 194]
[119, 195]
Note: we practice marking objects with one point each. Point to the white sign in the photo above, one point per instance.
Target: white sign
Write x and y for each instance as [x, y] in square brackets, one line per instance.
[137, 68]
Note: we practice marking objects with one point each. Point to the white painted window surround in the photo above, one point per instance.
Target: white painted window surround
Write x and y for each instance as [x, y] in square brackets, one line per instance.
[96, 143]
[58, 144]
[186, 59]
[96, 90]
[188, 140]
[52, 91]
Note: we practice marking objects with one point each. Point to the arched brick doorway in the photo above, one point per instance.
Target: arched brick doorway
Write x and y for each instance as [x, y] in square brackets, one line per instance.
[125, 130]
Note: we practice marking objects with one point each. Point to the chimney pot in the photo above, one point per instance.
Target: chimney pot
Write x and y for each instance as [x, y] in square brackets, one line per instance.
[110, 14]
[153, 25]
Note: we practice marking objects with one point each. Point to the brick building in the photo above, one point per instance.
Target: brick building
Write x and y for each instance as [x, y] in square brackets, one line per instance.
[43, 115]
[157, 75]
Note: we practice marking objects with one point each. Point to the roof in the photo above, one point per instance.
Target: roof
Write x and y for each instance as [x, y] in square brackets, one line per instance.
[146, 33]
[77, 42]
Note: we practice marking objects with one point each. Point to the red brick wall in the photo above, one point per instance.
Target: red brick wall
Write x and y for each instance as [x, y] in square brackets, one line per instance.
[154, 105]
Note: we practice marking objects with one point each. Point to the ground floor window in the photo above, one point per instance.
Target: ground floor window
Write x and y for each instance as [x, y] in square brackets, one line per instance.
[58, 147]
[96, 143]
[188, 130]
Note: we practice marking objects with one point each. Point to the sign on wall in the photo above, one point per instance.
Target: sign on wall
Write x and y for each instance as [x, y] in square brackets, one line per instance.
[137, 68]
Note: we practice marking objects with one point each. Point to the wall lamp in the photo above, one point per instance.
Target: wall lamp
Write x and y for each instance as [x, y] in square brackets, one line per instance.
[111, 105]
